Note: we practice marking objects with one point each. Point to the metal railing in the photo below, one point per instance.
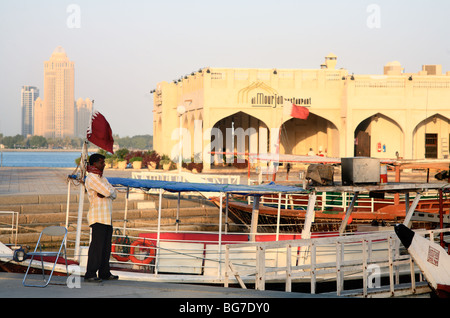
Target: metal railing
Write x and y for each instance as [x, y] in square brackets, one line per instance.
[363, 257]
[10, 226]
[335, 200]
[187, 177]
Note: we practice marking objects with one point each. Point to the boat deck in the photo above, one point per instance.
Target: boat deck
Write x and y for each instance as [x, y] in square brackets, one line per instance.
[11, 287]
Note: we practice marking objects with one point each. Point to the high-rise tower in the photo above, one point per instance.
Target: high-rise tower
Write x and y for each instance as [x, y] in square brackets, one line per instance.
[28, 95]
[83, 116]
[58, 106]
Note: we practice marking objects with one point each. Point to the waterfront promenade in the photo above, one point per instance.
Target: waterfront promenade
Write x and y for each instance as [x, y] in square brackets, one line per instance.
[32, 180]
[23, 181]
[11, 287]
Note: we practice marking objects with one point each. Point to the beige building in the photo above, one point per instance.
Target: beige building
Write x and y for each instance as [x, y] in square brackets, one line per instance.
[82, 116]
[28, 96]
[55, 115]
[381, 115]
[39, 116]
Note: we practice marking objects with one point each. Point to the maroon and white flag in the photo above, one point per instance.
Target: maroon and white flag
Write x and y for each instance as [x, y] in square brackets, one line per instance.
[295, 111]
[100, 133]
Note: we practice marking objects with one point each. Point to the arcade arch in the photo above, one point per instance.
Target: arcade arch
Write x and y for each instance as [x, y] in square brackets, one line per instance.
[316, 132]
[431, 138]
[379, 136]
[239, 133]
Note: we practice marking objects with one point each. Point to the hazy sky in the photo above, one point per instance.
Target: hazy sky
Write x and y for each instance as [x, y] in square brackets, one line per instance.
[122, 49]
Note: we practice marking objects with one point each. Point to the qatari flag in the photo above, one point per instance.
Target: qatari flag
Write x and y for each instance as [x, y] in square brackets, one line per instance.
[299, 112]
[100, 133]
[290, 109]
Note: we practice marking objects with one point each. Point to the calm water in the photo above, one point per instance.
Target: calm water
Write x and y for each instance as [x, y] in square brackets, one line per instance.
[59, 159]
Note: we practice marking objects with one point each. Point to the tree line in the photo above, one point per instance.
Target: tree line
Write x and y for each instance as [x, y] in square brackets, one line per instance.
[143, 142]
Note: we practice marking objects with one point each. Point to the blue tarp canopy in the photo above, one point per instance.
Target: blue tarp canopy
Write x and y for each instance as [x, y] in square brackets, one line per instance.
[173, 186]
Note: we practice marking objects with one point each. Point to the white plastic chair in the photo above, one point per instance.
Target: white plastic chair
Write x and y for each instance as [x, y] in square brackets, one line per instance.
[53, 231]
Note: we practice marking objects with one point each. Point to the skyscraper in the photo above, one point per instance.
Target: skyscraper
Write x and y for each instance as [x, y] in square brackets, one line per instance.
[28, 97]
[83, 116]
[39, 115]
[57, 113]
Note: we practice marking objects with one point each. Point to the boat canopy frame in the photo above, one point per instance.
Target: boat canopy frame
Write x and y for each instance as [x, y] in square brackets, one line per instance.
[258, 190]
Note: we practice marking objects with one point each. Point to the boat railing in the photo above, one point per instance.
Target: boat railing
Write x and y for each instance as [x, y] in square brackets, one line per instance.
[227, 257]
[366, 257]
[187, 177]
[327, 201]
[9, 223]
[216, 258]
[174, 252]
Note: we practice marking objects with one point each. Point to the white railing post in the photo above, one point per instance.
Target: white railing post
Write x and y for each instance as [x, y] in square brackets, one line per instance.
[391, 266]
[158, 235]
[339, 282]
[313, 267]
[364, 255]
[289, 268]
[260, 280]
[220, 238]
[227, 265]
[413, 275]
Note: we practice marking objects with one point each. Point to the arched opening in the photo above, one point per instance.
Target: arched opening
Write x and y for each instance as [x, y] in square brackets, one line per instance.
[431, 138]
[298, 136]
[238, 135]
[379, 136]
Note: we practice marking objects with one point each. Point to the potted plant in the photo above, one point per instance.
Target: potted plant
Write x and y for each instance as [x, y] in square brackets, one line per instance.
[196, 165]
[151, 165]
[152, 159]
[109, 162]
[165, 162]
[136, 162]
[121, 161]
[122, 164]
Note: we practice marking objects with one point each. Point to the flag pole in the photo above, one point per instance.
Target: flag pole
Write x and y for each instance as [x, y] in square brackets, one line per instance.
[274, 175]
[83, 168]
[83, 163]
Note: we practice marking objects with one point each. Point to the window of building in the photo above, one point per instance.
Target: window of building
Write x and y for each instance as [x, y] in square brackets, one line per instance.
[431, 146]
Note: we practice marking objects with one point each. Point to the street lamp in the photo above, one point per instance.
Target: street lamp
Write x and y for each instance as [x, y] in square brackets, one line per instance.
[180, 110]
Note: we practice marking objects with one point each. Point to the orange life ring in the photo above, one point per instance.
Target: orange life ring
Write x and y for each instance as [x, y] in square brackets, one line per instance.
[147, 244]
[350, 219]
[116, 255]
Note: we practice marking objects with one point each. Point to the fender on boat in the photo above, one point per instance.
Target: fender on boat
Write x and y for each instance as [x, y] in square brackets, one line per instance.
[432, 259]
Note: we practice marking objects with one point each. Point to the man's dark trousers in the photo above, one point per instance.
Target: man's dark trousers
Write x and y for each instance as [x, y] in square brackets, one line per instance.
[99, 251]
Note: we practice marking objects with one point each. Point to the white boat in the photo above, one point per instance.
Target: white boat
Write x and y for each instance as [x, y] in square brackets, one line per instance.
[432, 259]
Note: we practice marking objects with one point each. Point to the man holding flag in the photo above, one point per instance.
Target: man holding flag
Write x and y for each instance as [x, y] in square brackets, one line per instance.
[100, 133]
[101, 194]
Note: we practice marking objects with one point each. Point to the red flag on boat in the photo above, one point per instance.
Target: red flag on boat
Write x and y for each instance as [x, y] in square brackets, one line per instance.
[295, 110]
[100, 133]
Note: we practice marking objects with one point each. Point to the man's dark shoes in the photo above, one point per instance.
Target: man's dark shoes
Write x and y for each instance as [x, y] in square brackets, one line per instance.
[92, 280]
[111, 277]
